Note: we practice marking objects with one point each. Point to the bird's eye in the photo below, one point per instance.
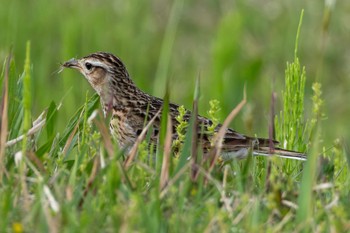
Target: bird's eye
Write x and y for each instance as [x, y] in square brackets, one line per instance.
[88, 66]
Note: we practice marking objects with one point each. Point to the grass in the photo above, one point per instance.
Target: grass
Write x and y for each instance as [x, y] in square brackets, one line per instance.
[67, 175]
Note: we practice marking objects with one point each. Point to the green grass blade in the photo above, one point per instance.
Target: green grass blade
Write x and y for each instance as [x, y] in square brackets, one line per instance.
[163, 129]
[306, 196]
[27, 98]
[51, 120]
[167, 45]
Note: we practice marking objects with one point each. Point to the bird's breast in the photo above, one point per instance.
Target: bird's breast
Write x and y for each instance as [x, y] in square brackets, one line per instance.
[122, 130]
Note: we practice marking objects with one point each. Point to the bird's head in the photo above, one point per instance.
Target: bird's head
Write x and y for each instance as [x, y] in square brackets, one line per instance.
[104, 71]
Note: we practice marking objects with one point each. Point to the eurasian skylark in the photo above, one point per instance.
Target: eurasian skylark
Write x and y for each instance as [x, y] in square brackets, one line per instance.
[130, 106]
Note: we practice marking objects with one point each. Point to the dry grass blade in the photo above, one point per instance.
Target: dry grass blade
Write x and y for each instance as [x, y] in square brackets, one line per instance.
[271, 137]
[164, 175]
[224, 199]
[71, 136]
[243, 213]
[139, 139]
[290, 204]
[173, 180]
[37, 125]
[323, 186]
[285, 220]
[194, 149]
[211, 226]
[225, 176]
[50, 201]
[333, 203]
[105, 137]
[271, 123]
[33, 158]
[69, 140]
[218, 139]
[4, 120]
[91, 179]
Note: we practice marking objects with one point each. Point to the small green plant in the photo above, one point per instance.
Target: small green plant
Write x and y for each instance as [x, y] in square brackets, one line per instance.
[317, 104]
[213, 114]
[291, 123]
[180, 129]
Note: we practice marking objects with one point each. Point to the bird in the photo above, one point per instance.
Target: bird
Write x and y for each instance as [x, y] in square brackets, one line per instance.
[130, 107]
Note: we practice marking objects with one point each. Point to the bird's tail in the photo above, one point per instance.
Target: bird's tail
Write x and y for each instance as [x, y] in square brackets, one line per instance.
[289, 154]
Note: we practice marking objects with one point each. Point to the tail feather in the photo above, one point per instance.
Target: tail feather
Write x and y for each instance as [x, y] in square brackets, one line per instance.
[240, 148]
[289, 154]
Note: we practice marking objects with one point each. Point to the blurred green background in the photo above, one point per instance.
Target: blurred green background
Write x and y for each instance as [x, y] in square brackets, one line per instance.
[227, 43]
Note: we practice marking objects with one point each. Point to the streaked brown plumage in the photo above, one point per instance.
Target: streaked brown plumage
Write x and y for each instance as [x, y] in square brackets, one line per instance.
[108, 76]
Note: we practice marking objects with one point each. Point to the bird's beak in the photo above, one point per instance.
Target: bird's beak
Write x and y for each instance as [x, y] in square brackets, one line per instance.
[72, 63]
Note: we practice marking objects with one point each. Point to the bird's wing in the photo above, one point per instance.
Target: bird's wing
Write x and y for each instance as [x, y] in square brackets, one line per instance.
[231, 139]
[235, 145]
